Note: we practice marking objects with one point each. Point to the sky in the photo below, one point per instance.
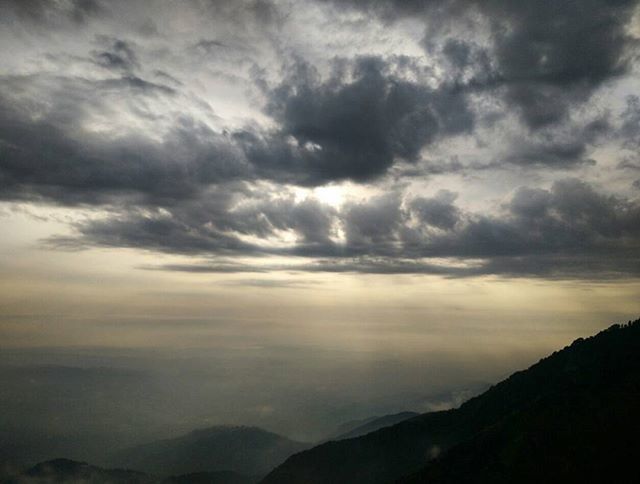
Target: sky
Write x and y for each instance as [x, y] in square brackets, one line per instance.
[301, 212]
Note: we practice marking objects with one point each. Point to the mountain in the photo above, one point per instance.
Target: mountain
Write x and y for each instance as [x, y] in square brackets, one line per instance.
[572, 417]
[65, 471]
[247, 450]
[356, 428]
[69, 471]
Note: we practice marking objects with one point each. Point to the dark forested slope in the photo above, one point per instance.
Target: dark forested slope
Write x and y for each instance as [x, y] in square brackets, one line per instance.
[573, 414]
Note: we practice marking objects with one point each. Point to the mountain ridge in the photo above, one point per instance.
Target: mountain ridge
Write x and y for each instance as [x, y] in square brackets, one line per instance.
[599, 363]
[63, 470]
[244, 449]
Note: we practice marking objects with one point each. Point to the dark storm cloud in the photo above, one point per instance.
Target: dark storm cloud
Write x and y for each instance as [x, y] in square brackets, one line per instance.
[310, 219]
[548, 55]
[566, 230]
[439, 211]
[559, 148]
[570, 219]
[353, 125]
[332, 130]
[373, 224]
[132, 138]
[220, 220]
[48, 153]
[557, 155]
[553, 54]
[457, 52]
[158, 232]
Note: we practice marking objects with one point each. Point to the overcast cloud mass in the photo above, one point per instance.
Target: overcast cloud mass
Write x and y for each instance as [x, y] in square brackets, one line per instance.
[498, 137]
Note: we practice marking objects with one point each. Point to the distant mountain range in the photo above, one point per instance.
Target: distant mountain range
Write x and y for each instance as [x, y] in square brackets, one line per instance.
[69, 471]
[248, 450]
[572, 417]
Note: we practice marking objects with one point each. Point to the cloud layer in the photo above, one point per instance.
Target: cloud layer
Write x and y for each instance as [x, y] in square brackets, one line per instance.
[463, 138]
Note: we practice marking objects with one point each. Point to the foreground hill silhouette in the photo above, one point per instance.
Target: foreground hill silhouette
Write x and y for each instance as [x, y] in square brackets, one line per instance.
[572, 417]
[247, 450]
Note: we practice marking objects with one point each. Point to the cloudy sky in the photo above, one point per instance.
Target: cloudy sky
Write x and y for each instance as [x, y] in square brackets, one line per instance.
[394, 179]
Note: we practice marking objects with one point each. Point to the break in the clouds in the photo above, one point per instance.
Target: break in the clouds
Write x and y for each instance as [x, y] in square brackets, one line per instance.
[452, 137]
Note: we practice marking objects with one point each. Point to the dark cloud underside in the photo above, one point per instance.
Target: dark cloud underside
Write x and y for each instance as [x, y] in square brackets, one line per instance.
[209, 143]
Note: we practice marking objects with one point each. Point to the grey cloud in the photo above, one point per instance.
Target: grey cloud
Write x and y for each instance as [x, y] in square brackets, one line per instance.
[553, 54]
[171, 183]
[274, 283]
[468, 63]
[333, 130]
[209, 46]
[354, 125]
[564, 267]
[158, 232]
[458, 53]
[119, 55]
[560, 149]
[220, 221]
[368, 265]
[373, 222]
[55, 157]
[225, 267]
[248, 14]
[560, 154]
[392, 9]
[569, 219]
[50, 12]
[629, 163]
[531, 203]
[353, 129]
[630, 129]
[439, 211]
[443, 166]
[548, 55]
[312, 222]
[135, 83]
[571, 225]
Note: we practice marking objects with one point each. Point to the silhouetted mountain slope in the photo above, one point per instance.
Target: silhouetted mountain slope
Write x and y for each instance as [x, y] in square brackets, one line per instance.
[574, 414]
[363, 427]
[247, 450]
[69, 471]
[584, 428]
